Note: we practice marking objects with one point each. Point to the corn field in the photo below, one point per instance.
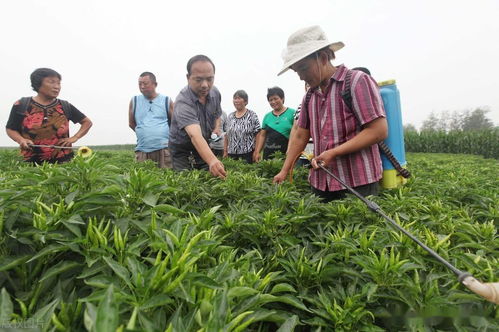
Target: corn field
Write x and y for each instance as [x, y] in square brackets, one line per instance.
[479, 142]
[107, 244]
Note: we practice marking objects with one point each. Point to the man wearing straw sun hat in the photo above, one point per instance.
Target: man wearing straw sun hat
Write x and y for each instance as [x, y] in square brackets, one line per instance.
[344, 139]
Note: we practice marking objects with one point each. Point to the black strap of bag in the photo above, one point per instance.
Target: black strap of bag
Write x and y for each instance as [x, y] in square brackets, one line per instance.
[167, 108]
[25, 101]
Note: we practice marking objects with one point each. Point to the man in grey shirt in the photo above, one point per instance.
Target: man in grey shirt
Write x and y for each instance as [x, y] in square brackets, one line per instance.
[196, 117]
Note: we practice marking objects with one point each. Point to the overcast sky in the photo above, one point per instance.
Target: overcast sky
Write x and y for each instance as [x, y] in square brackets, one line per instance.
[443, 54]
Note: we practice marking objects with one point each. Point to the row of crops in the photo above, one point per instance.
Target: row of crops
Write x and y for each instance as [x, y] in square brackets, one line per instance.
[106, 244]
[480, 142]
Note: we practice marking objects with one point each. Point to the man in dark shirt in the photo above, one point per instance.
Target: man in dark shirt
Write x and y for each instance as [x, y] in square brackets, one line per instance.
[196, 118]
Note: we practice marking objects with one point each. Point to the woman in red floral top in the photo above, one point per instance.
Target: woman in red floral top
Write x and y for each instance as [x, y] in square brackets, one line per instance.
[42, 120]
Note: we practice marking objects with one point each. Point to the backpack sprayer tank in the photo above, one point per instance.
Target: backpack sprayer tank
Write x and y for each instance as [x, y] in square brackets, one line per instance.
[395, 141]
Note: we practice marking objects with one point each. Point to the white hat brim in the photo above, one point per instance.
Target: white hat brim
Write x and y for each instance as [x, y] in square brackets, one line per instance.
[332, 46]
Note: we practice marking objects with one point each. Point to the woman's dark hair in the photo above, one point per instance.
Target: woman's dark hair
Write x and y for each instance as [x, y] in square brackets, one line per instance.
[197, 58]
[275, 91]
[39, 74]
[241, 94]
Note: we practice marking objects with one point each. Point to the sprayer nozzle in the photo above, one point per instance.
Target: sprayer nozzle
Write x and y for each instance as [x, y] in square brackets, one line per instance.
[489, 291]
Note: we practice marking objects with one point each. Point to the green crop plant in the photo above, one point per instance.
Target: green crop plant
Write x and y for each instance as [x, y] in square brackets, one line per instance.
[108, 244]
[481, 142]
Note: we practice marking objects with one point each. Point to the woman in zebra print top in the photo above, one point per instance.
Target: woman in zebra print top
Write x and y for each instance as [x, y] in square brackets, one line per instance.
[242, 127]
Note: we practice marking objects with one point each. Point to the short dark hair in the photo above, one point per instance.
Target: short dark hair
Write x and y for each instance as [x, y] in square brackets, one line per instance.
[241, 94]
[39, 74]
[275, 91]
[196, 58]
[151, 76]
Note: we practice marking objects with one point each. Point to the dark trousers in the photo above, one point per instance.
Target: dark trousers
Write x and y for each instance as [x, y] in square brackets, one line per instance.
[247, 157]
[365, 190]
[218, 153]
[186, 159]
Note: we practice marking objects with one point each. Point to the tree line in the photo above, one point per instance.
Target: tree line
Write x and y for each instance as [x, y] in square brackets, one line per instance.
[469, 132]
[464, 120]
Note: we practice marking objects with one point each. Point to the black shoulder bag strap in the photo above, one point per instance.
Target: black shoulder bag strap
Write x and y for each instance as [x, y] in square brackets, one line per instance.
[346, 95]
[134, 107]
[167, 107]
[24, 102]
[66, 106]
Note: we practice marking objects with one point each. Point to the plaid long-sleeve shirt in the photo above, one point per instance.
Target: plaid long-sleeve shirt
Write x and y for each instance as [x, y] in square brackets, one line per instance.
[332, 123]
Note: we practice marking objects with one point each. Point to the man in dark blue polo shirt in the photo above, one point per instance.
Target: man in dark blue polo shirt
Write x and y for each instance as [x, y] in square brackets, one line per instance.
[196, 117]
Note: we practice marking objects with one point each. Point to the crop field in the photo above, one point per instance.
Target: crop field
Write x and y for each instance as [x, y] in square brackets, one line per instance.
[107, 244]
[480, 142]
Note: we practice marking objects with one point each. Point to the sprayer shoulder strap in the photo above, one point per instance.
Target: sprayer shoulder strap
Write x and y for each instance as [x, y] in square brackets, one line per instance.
[346, 95]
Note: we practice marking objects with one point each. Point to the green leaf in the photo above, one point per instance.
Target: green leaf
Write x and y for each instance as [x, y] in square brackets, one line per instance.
[59, 268]
[107, 312]
[99, 281]
[167, 208]
[133, 319]
[172, 237]
[369, 289]
[119, 270]
[177, 319]
[289, 325]
[6, 307]
[149, 325]
[256, 316]
[219, 312]
[317, 321]
[241, 292]
[204, 281]
[89, 316]
[10, 262]
[71, 196]
[293, 301]
[157, 301]
[50, 249]
[92, 270]
[43, 316]
[150, 199]
[134, 267]
[96, 296]
[235, 324]
[283, 288]
[72, 224]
